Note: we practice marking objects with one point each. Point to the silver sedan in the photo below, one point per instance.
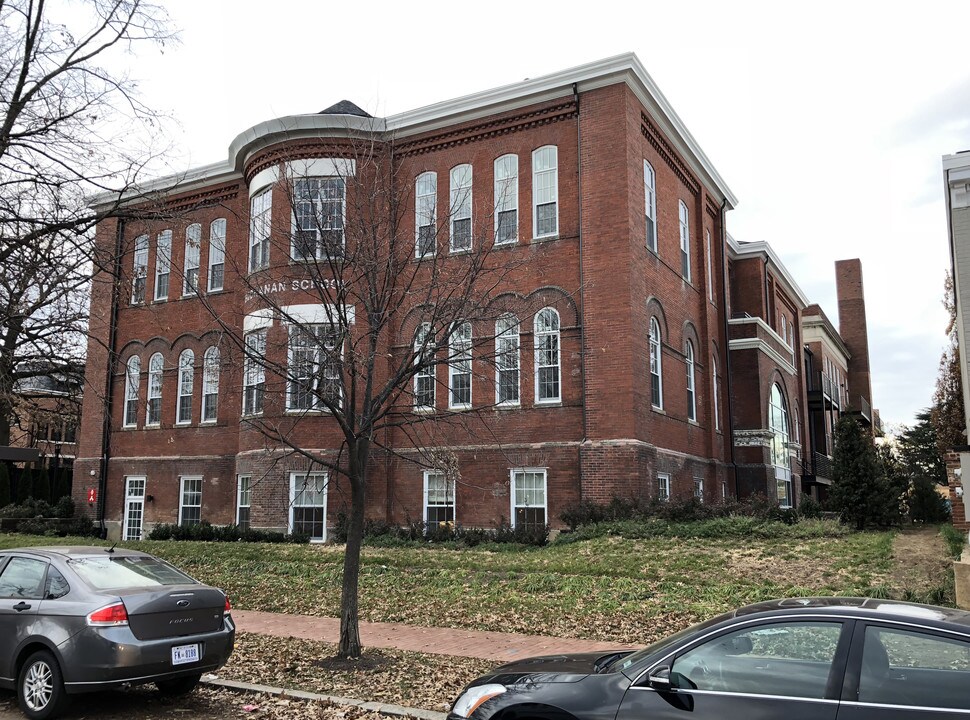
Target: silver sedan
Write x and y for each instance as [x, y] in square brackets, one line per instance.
[78, 619]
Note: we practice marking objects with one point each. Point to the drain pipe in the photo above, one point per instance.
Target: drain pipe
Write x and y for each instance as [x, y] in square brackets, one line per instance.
[729, 425]
[582, 283]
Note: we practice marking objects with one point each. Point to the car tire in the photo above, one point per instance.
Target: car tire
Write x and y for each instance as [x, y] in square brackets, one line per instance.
[40, 687]
[178, 686]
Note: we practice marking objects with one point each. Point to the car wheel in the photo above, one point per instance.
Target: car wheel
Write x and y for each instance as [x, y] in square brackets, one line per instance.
[40, 687]
[178, 686]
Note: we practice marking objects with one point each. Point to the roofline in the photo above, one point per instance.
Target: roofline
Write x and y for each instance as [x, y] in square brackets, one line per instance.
[829, 329]
[762, 248]
[625, 68]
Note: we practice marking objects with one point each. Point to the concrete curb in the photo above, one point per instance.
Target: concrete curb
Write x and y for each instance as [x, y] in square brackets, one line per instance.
[382, 708]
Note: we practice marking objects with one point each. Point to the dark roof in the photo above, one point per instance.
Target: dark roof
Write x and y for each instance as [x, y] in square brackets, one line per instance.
[345, 107]
[862, 607]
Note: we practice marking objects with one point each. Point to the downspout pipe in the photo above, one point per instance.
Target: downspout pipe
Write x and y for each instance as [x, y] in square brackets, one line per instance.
[109, 374]
[582, 283]
[729, 376]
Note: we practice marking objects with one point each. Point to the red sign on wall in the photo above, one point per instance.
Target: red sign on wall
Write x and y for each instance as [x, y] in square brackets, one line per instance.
[92, 495]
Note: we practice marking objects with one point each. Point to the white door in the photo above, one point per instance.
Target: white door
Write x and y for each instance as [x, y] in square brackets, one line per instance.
[134, 507]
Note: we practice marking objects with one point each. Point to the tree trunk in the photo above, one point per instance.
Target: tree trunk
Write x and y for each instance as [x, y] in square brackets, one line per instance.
[350, 646]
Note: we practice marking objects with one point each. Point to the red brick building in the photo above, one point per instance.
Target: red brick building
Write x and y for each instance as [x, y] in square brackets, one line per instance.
[644, 352]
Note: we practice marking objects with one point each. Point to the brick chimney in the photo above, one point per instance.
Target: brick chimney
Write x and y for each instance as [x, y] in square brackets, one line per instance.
[852, 327]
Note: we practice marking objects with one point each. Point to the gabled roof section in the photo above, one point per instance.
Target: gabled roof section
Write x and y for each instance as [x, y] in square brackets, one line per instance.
[744, 249]
[345, 107]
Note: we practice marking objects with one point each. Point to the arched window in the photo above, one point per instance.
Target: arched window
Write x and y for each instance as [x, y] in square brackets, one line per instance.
[193, 247]
[139, 270]
[186, 380]
[217, 254]
[684, 242]
[545, 192]
[716, 391]
[650, 204]
[460, 366]
[132, 372]
[507, 360]
[461, 208]
[656, 368]
[163, 264]
[210, 384]
[156, 365]
[546, 337]
[425, 213]
[424, 376]
[506, 199]
[778, 419]
[691, 394]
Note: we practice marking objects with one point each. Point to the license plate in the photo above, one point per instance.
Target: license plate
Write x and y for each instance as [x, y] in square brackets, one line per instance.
[182, 654]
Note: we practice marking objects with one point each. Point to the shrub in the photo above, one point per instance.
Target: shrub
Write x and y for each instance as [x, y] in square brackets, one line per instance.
[4, 485]
[206, 532]
[41, 488]
[64, 507]
[810, 508]
[956, 541]
[24, 480]
[925, 504]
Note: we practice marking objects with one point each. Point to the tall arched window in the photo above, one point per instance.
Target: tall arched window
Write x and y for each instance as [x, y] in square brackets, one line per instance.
[715, 391]
[217, 254]
[545, 191]
[140, 270]
[461, 208]
[691, 394]
[132, 372]
[650, 204]
[425, 214]
[684, 241]
[193, 249]
[506, 199]
[778, 419]
[210, 385]
[186, 380]
[460, 366]
[163, 264]
[156, 366]
[546, 337]
[656, 369]
[424, 376]
[507, 360]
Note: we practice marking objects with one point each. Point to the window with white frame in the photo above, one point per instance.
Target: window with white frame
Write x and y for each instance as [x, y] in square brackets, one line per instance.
[217, 254]
[656, 367]
[784, 329]
[132, 378]
[699, 488]
[650, 204]
[183, 415]
[314, 367]
[243, 501]
[529, 497]
[778, 423]
[663, 487]
[684, 242]
[210, 384]
[193, 248]
[424, 376]
[710, 275]
[260, 222]
[724, 489]
[545, 192]
[439, 499]
[506, 199]
[716, 393]
[547, 356]
[163, 264]
[425, 214]
[139, 270]
[190, 500]
[461, 208]
[308, 505]
[691, 395]
[156, 367]
[460, 366]
[318, 218]
[507, 360]
[254, 372]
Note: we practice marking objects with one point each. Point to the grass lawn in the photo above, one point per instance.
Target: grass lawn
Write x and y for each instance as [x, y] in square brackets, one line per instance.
[608, 588]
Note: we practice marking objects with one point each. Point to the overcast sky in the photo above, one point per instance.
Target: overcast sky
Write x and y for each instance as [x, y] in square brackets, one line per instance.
[828, 120]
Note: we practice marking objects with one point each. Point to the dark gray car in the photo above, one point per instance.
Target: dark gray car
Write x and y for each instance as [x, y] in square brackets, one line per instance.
[78, 619]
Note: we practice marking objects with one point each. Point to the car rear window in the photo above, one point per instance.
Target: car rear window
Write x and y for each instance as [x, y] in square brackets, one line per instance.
[118, 573]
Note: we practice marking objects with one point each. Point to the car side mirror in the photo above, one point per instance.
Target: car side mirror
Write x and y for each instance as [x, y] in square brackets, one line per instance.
[659, 679]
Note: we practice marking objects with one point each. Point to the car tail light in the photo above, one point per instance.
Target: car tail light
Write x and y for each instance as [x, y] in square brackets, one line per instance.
[228, 606]
[109, 616]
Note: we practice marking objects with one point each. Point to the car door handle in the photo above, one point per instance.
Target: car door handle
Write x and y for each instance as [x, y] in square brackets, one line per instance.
[21, 606]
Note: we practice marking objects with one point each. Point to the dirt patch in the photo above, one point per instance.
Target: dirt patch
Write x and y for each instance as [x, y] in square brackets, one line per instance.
[920, 561]
[372, 660]
[805, 572]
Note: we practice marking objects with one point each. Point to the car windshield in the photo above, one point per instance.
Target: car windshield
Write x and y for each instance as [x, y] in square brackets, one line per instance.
[661, 645]
[125, 571]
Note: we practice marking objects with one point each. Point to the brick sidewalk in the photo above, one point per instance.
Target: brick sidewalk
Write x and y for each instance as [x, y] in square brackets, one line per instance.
[440, 641]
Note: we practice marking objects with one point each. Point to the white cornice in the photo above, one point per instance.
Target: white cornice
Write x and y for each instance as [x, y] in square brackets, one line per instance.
[818, 328]
[956, 171]
[759, 344]
[753, 249]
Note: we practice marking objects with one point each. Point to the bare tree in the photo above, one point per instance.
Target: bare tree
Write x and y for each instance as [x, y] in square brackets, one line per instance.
[68, 127]
[402, 303]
